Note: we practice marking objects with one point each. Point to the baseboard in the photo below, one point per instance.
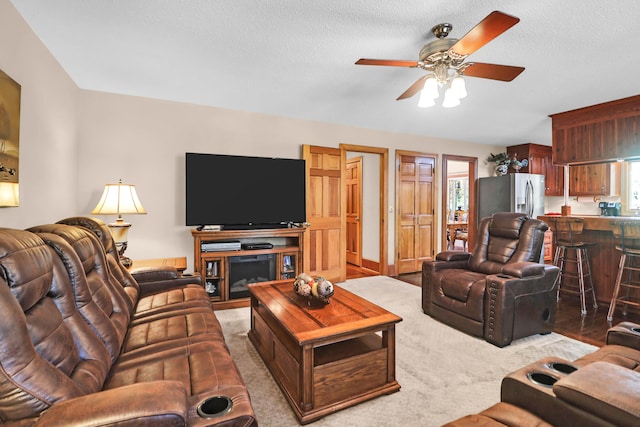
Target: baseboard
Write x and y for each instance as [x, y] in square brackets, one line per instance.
[368, 264]
[392, 270]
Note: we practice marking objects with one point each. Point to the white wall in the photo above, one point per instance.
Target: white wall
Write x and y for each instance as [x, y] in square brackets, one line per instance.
[143, 141]
[48, 156]
[74, 141]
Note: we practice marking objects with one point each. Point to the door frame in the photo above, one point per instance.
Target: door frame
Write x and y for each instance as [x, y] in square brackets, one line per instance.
[384, 197]
[473, 177]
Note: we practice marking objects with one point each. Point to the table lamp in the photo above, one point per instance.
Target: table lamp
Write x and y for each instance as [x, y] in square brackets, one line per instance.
[118, 199]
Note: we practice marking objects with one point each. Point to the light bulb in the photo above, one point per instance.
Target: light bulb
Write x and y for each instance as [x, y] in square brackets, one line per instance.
[450, 99]
[458, 87]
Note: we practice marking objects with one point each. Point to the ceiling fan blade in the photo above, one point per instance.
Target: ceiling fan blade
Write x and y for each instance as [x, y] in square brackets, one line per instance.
[415, 88]
[505, 73]
[488, 29]
[387, 62]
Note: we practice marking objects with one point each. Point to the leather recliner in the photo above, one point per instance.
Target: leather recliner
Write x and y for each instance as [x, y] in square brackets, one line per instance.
[600, 389]
[500, 291]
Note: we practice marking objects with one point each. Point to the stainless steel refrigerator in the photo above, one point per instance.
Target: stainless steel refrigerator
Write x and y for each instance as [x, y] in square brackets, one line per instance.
[516, 192]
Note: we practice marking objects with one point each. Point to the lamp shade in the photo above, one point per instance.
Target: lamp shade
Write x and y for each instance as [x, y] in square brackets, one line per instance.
[430, 88]
[458, 87]
[9, 194]
[450, 99]
[118, 199]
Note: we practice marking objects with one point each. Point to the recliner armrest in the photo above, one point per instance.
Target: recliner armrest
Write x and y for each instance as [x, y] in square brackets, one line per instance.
[157, 403]
[150, 274]
[626, 334]
[508, 295]
[603, 389]
[523, 269]
[161, 278]
[453, 256]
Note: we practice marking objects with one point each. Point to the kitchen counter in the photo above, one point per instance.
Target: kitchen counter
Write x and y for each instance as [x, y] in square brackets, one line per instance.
[594, 222]
[603, 257]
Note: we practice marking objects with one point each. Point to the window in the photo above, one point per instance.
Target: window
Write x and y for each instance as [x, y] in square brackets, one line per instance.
[631, 188]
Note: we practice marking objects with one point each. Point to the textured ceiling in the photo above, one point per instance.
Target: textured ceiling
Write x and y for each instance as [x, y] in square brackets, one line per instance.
[296, 58]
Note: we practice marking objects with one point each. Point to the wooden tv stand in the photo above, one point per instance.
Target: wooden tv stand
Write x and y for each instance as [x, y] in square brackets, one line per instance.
[213, 266]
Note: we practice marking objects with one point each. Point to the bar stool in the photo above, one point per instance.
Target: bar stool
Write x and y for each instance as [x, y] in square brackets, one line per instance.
[566, 231]
[627, 237]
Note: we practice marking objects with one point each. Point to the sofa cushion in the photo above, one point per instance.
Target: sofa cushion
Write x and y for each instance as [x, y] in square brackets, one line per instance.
[626, 357]
[608, 391]
[460, 291]
[164, 329]
[506, 225]
[142, 302]
[48, 353]
[107, 312]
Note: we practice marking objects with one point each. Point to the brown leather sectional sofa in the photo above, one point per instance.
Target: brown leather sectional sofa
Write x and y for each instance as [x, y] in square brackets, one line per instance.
[599, 389]
[84, 343]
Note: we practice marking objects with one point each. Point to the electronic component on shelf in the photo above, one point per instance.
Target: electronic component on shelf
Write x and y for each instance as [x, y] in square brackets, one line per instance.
[253, 246]
[220, 245]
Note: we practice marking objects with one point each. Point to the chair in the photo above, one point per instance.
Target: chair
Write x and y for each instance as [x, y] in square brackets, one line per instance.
[463, 235]
[460, 233]
[566, 233]
[500, 291]
[627, 237]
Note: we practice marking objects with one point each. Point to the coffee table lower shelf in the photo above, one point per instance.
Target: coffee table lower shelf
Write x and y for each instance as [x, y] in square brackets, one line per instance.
[325, 375]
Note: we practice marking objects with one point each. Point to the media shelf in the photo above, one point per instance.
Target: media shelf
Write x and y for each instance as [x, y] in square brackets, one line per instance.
[226, 273]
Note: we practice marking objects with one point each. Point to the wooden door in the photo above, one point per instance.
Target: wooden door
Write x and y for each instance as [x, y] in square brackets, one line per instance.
[325, 243]
[415, 180]
[353, 181]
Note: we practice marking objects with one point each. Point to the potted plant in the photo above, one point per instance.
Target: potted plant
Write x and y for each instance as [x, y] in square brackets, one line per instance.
[502, 162]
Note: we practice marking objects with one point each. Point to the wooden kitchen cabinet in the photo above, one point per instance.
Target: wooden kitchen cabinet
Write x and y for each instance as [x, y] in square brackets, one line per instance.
[600, 179]
[540, 162]
[599, 133]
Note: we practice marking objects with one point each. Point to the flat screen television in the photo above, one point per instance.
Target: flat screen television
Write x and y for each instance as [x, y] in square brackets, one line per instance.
[238, 192]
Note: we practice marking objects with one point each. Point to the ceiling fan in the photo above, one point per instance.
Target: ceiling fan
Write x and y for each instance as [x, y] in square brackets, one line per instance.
[444, 60]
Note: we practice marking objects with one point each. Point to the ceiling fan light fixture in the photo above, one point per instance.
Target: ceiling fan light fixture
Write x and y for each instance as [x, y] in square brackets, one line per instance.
[458, 86]
[450, 99]
[445, 58]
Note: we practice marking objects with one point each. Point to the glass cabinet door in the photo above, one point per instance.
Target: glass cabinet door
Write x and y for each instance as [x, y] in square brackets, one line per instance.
[288, 267]
[213, 277]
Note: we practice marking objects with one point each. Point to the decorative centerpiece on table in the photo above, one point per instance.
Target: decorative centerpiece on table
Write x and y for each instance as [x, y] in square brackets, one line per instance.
[314, 289]
[502, 162]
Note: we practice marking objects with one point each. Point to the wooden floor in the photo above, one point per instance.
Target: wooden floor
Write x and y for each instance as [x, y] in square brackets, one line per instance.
[591, 329]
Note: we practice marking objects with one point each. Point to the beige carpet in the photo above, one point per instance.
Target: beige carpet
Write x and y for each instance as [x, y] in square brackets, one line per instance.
[444, 374]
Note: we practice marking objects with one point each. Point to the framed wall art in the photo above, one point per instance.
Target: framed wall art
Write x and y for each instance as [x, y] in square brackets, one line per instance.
[9, 141]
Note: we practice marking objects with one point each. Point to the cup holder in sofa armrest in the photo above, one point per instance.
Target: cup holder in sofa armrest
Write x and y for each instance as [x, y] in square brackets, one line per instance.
[541, 378]
[215, 406]
[564, 368]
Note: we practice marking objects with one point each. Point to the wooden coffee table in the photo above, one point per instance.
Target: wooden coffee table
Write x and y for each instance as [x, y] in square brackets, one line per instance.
[324, 357]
